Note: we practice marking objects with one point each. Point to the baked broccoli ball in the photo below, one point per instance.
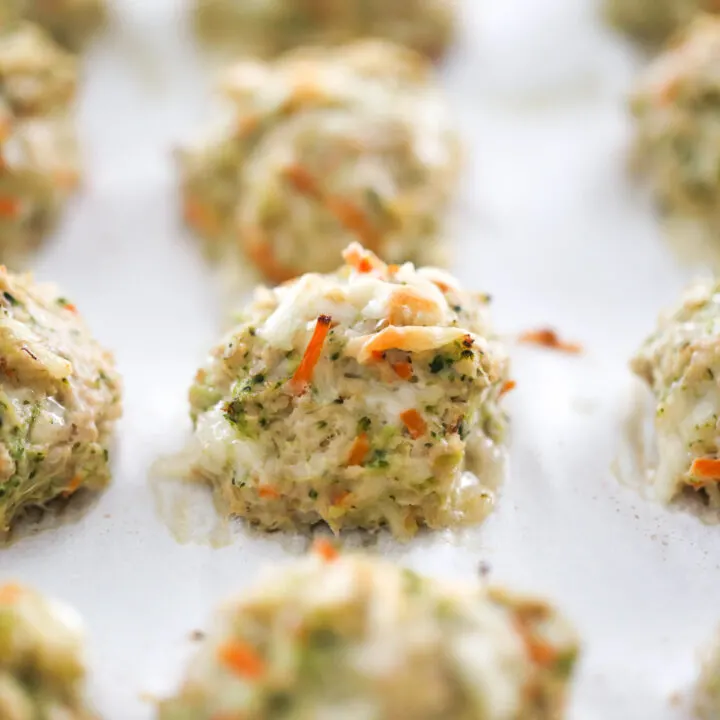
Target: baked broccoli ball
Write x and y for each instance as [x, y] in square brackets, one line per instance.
[680, 362]
[42, 671]
[59, 398]
[71, 22]
[677, 114]
[654, 21]
[326, 147]
[39, 166]
[354, 637]
[363, 398]
[271, 27]
[39, 173]
[36, 76]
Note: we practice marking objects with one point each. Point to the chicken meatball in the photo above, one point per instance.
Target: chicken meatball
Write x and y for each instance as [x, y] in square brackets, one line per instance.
[680, 362]
[677, 116]
[42, 671]
[59, 398]
[355, 637]
[70, 22]
[39, 165]
[323, 148]
[363, 398]
[269, 27]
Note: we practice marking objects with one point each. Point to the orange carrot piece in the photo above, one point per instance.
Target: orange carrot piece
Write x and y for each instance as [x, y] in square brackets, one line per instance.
[247, 125]
[704, 471]
[201, 217]
[549, 338]
[403, 369]
[362, 260]
[261, 253]
[359, 450]
[302, 180]
[303, 375]
[509, 386]
[10, 593]
[325, 549]
[414, 422]
[353, 219]
[268, 492]
[73, 486]
[242, 659]
[10, 207]
[539, 651]
[341, 497]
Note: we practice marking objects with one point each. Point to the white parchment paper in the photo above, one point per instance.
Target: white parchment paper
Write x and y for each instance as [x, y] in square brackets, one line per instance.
[549, 224]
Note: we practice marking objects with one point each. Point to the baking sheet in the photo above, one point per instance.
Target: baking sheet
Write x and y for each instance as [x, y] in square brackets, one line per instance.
[549, 223]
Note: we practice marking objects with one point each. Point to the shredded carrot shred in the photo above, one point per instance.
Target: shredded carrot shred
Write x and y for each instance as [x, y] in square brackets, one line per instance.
[325, 549]
[414, 422]
[509, 386]
[302, 180]
[549, 338]
[362, 260]
[73, 486]
[247, 125]
[341, 497]
[359, 450]
[10, 593]
[540, 652]
[268, 492]
[242, 659]
[201, 217]
[403, 369]
[261, 253]
[303, 375]
[353, 219]
[704, 470]
[10, 207]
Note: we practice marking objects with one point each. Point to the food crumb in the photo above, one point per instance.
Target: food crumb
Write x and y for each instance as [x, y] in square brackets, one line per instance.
[548, 338]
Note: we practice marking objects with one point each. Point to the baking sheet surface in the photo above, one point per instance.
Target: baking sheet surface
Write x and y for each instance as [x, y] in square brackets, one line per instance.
[549, 223]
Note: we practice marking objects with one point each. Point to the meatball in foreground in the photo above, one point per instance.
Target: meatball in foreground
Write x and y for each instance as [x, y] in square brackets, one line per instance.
[42, 671]
[677, 116]
[325, 147]
[363, 398]
[270, 27]
[351, 637]
[59, 399]
[681, 364]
